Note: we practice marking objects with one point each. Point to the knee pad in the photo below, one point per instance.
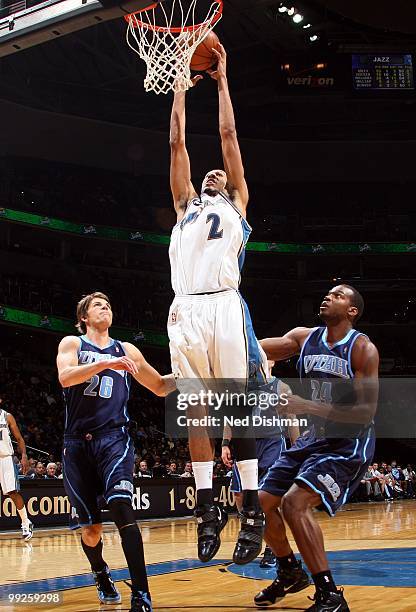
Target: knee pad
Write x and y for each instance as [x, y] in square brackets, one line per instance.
[122, 514]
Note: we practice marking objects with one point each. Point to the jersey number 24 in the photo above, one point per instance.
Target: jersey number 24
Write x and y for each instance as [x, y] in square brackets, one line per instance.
[321, 391]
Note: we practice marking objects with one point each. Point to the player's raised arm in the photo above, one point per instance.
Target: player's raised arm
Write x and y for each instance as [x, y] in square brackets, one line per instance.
[278, 349]
[11, 421]
[146, 375]
[233, 163]
[70, 373]
[180, 167]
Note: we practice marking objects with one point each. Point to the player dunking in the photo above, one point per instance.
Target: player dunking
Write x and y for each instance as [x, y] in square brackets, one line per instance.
[9, 481]
[98, 457]
[210, 330]
[339, 368]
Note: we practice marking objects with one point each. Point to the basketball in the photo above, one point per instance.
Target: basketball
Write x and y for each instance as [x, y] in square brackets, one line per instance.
[203, 57]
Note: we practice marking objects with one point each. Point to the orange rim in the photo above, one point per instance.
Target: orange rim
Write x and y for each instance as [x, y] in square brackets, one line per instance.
[132, 19]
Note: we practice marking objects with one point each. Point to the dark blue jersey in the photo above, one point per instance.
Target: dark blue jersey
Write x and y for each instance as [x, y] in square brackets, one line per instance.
[327, 373]
[100, 404]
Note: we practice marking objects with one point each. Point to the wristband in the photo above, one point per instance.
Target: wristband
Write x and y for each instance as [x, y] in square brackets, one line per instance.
[225, 442]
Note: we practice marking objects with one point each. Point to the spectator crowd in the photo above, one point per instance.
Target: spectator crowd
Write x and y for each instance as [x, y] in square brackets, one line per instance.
[387, 482]
[382, 482]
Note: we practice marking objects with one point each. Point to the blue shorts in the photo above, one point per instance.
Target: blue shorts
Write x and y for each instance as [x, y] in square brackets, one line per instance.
[268, 451]
[332, 467]
[95, 472]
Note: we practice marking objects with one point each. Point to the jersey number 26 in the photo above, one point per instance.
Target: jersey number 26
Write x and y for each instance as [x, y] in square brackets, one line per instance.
[106, 386]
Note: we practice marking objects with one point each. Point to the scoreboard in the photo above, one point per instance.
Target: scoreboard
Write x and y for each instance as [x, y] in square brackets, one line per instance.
[376, 72]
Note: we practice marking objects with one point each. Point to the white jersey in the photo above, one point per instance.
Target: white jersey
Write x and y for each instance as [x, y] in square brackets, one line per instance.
[207, 246]
[6, 446]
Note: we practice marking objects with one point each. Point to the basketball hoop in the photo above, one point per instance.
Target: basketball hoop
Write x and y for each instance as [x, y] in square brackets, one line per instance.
[167, 38]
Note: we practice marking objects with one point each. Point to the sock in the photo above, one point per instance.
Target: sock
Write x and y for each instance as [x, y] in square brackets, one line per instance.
[251, 500]
[23, 515]
[324, 581]
[131, 541]
[203, 481]
[249, 474]
[205, 497]
[94, 555]
[287, 562]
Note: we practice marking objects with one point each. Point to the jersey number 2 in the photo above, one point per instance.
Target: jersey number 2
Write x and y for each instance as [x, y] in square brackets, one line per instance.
[214, 234]
[106, 386]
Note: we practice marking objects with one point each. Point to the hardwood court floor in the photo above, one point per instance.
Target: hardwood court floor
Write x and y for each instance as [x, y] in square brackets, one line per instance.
[376, 562]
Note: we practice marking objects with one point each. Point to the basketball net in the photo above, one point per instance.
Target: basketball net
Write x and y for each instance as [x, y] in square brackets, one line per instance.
[166, 47]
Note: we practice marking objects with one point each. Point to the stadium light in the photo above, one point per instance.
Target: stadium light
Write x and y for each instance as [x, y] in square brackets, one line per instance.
[291, 11]
[283, 8]
[306, 26]
[297, 18]
[314, 37]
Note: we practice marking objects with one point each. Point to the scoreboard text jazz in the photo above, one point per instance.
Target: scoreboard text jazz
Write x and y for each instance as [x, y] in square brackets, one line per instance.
[383, 71]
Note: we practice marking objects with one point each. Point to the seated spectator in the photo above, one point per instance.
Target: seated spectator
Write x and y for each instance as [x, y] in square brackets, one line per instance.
[378, 474]
[159, 470]
[220, 471]
[51, 470]
[40, 471]
[59, 473]
[31, 470]
[395, 484]
[397, 472]
[372, 485]
[143, 471]
[409, 481]
[388, 484]
[172, 469]
[375, 471]
[187, 472]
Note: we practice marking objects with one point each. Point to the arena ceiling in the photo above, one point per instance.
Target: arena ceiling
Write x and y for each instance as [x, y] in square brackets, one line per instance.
[92, 73]
[397, 16]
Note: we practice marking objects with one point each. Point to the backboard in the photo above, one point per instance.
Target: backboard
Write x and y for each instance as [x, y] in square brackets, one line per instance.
[25, 24]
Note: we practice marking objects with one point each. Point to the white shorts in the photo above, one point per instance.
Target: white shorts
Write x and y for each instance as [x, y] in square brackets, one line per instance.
[9, 480]
[211, 336]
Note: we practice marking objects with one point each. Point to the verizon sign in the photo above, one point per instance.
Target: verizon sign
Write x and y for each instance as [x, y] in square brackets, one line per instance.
[310, 81]
[310, 76]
